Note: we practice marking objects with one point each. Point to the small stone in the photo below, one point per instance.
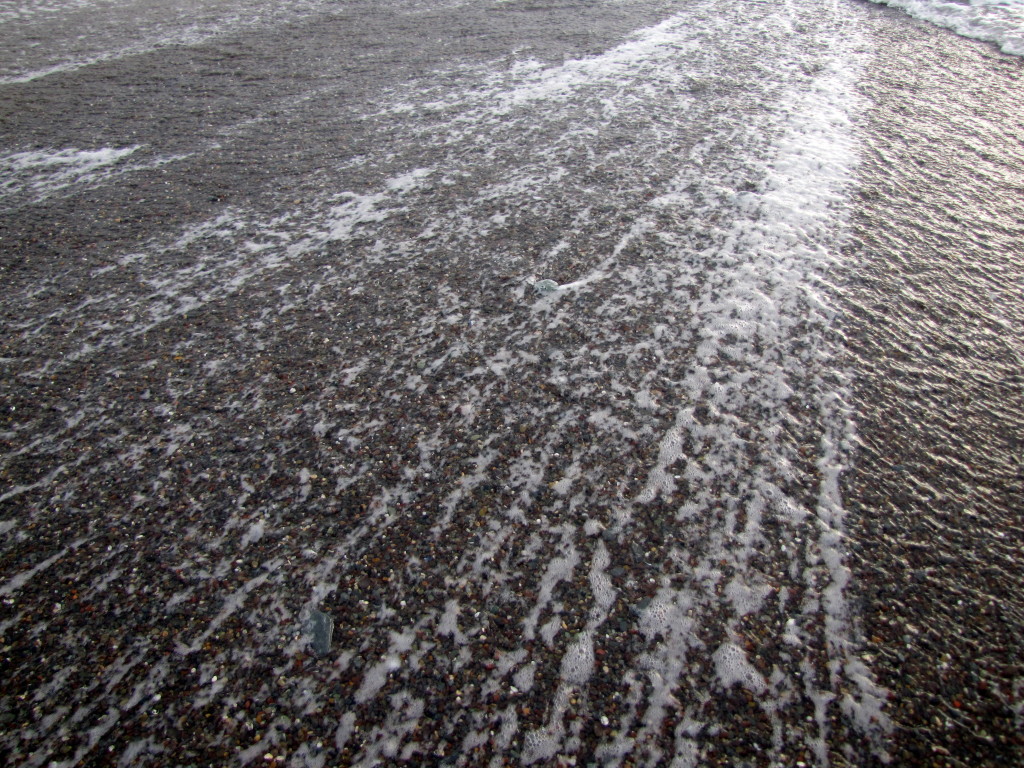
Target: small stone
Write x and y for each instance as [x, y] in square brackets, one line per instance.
[320, 628]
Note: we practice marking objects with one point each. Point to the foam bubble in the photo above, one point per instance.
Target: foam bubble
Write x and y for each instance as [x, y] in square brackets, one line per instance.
[734, 668]
[746, 599]
[523, 677]
[578, 661]
[540, 744]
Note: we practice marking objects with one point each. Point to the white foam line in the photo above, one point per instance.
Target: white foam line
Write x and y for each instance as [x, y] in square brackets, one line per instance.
[213, 276]
[187, 37]
[576, 666]
[232, 603]
[781, 244]
[26, 10]
[113, 37]
[42, 172]
[44, 482]
[40, 175]
[17, 582]
[558, 570]
[994, 21]
[822, 143]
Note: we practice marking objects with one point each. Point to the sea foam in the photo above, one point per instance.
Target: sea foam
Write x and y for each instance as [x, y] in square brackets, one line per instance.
[994, 21]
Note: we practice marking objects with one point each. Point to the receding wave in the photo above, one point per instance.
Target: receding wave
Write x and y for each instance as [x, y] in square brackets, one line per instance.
[994, 21]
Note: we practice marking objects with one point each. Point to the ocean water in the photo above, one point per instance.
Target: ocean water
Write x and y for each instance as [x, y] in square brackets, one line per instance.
[995, 21]
[111, 29]
[932, 317]
[521, 340]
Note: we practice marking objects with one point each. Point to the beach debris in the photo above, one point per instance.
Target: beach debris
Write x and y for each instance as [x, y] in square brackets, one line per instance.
[545, 287]
[319, 628]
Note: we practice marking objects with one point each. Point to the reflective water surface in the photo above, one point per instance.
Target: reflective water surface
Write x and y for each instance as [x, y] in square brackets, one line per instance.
[935, 326]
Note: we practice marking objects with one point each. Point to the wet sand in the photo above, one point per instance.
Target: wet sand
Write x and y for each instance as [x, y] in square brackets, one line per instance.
[281, 347]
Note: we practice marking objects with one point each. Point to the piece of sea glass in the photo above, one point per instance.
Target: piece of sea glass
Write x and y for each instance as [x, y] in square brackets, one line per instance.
[320, 629]
[545, 286]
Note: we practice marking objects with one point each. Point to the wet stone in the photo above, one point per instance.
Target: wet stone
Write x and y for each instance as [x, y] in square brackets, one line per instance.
[319, 629]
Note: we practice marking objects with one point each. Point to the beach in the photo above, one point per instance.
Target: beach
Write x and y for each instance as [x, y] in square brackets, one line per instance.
[510, 383]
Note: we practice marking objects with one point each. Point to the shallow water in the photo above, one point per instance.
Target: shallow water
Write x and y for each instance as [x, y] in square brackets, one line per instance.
[994, 21]
[934, 322]
[278, 344]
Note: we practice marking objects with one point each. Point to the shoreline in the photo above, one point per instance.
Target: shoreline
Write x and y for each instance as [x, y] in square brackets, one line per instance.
[472, 399]
[934, 335]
